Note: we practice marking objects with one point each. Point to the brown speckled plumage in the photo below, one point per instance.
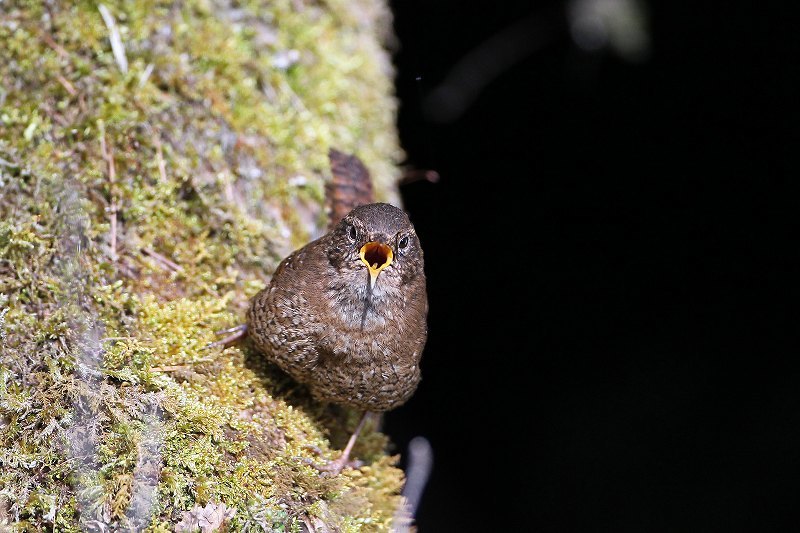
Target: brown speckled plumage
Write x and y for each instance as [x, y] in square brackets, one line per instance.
[321, 320]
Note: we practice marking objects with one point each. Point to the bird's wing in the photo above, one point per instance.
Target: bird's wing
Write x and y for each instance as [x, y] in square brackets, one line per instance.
[298, 323]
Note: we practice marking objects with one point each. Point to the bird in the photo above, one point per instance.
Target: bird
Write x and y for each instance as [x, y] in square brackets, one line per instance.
[346, 314]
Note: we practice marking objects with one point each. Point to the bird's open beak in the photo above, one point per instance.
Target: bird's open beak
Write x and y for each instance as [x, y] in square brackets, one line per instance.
[376, 256]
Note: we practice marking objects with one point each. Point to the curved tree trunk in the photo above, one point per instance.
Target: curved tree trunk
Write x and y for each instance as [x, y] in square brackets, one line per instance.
[157, 160]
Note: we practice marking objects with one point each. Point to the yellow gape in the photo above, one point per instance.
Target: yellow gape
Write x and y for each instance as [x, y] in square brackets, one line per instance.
[376, 256]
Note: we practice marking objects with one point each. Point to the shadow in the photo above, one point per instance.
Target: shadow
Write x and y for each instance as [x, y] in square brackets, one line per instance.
[336, 421]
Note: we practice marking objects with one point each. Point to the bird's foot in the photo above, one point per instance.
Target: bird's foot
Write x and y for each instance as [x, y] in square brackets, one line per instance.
[235, 333]
[335, 467]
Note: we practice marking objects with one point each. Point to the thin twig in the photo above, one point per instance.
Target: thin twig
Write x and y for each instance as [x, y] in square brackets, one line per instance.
[67, 85]
[48, 39]
[172, 368]
[171, 265]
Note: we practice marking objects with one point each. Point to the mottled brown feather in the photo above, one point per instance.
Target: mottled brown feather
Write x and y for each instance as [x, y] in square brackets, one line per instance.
[320, 321]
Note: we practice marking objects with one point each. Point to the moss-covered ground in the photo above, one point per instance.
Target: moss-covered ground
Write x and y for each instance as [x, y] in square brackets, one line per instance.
[155, 166]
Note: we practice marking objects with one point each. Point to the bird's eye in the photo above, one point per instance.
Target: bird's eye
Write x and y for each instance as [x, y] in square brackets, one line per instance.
[402, 244]
[352, 233]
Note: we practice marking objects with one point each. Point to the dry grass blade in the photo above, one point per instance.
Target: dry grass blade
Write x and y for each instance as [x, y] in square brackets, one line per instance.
[116, 41]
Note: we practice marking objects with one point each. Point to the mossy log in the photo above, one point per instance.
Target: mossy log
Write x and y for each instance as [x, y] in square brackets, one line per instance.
[157, 160]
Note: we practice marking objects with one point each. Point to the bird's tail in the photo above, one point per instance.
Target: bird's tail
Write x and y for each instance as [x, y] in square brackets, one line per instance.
[350, 186]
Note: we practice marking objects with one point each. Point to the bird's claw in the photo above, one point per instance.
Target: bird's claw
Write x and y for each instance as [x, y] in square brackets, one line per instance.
[235, 333]
[334, 467]
[316, 450]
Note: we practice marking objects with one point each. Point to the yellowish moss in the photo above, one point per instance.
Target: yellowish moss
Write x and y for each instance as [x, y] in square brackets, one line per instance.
[140, 210]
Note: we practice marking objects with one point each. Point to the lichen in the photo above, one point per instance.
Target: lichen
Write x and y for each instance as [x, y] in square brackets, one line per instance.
[141, 206]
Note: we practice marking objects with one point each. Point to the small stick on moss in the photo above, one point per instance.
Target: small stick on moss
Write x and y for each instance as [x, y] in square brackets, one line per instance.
[108, 155]
[163, 261]
[66, 84]
[48, 39]
[173, 368]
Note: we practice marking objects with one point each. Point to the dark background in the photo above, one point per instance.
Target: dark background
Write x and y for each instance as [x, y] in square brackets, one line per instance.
[607, 252]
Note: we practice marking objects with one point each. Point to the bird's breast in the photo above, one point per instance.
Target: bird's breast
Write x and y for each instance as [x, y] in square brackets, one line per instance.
[356, 307]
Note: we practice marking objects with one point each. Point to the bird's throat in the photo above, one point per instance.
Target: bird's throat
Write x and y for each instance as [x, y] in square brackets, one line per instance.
[367, 300]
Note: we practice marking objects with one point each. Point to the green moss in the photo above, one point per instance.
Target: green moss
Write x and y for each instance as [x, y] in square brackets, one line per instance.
[139, 212]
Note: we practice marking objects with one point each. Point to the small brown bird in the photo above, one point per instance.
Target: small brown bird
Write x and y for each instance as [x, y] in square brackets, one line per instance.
[346, 313]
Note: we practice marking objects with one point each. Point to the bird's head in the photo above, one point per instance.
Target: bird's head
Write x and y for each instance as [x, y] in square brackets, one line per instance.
[377, 245]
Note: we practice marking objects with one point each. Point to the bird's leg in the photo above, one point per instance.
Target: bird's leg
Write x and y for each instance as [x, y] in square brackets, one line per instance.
[336, 466]
[235, 333]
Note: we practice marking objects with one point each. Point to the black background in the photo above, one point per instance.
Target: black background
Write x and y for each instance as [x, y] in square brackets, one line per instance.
[607, 252]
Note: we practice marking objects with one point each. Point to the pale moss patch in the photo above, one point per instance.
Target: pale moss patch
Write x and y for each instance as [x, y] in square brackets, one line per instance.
[139, 212]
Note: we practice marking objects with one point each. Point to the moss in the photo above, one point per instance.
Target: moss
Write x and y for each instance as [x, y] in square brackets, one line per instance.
[140, 210]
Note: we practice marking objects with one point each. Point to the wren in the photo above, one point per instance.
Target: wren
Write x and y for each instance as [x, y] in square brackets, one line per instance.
[346, 314]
